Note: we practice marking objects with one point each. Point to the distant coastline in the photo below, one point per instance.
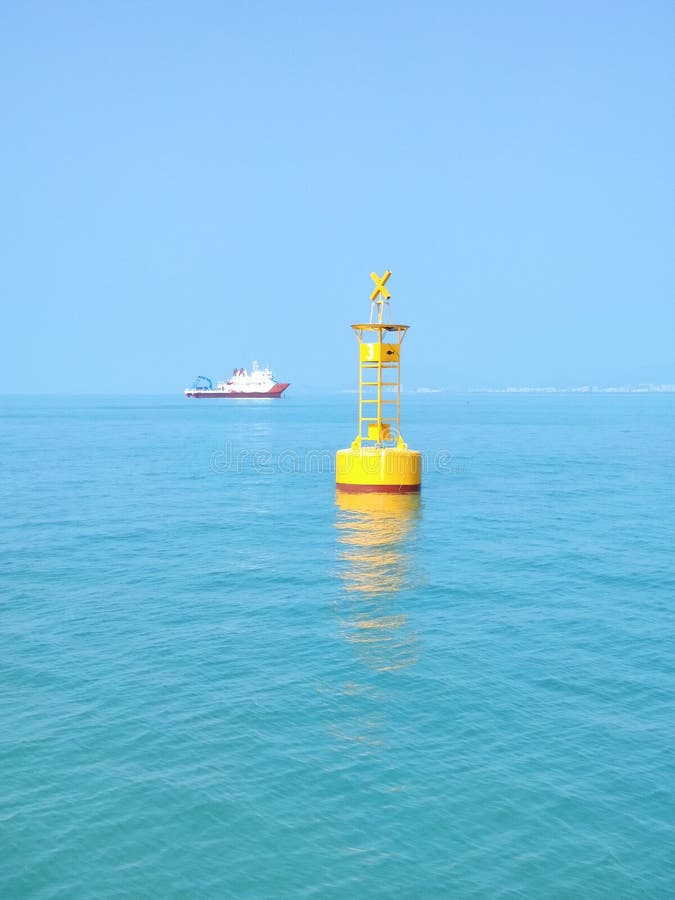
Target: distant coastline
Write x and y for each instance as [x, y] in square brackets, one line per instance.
[584, 389]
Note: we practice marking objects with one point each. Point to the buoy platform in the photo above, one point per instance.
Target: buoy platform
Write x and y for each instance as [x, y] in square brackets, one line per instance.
[379, 460]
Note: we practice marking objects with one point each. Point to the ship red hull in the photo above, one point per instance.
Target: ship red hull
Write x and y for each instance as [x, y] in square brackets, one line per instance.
[275, 393]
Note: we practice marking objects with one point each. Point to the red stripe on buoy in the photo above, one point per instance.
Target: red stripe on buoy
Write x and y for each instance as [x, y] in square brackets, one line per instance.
[379, 488]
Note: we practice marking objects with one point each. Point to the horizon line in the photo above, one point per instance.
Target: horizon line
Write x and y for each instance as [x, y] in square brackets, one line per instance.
[636, 388]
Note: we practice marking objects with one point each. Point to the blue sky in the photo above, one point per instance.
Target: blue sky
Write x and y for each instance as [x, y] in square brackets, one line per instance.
[188, 186]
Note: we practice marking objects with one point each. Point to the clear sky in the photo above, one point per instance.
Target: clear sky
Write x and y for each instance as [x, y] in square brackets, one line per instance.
[188, 186]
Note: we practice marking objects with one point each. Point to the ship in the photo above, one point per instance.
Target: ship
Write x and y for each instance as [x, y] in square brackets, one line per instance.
[241, 385]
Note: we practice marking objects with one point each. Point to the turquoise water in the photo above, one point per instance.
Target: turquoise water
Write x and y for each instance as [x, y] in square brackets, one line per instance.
[219, 683]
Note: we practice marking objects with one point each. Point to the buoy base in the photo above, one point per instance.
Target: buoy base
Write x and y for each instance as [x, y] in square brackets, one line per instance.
[378, 470]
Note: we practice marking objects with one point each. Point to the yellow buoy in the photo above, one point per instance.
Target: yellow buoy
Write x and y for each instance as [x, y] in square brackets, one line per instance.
[379, 459]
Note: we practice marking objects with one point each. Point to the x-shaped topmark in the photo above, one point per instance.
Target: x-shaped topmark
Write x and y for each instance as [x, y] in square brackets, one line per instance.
[380, 293]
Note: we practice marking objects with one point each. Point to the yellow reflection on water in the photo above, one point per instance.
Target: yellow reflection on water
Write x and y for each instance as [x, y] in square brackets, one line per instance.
[375, 534]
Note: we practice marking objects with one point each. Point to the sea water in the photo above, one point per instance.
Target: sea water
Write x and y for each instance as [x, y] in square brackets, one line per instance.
[220, 681]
